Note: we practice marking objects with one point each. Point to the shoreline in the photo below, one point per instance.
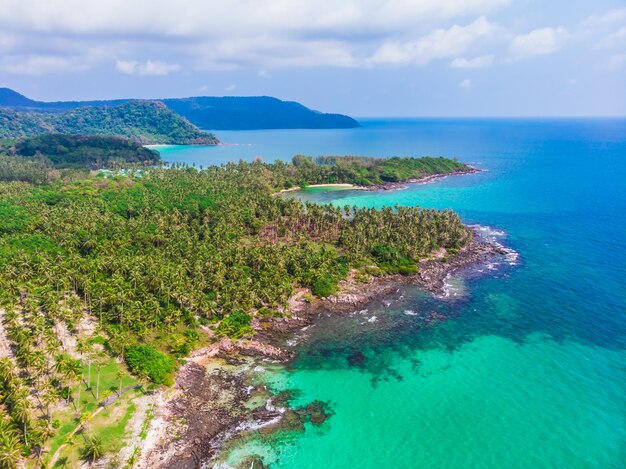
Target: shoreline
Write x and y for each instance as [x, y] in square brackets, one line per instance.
[213, 390]
[298, 188]
[388, 185]
[421, 180]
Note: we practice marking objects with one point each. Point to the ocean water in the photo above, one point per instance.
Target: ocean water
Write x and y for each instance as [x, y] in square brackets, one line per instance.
[523, 363]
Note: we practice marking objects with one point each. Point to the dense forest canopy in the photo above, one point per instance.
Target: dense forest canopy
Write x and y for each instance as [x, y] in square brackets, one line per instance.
[209, 112]
[145, 122]
[93, 151]
[368, 171]
[149, 260]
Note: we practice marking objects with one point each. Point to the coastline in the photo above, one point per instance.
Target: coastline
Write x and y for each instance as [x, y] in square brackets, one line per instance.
[210, 403]
[298, 188]
[388, 185]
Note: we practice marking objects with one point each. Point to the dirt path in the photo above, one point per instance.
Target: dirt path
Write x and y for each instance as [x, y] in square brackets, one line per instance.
[109, 400]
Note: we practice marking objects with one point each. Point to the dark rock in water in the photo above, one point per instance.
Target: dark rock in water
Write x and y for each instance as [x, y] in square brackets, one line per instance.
[291, 420]
[252, 462]
[357, 359]
[283, 398]
[318, 412]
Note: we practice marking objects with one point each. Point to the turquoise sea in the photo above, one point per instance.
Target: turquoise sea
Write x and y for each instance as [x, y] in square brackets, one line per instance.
[529, 368]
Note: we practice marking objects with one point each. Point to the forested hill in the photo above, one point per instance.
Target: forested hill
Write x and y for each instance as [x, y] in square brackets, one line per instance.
[218, 113]
[255, 112]
[86, 151]
[145, 122]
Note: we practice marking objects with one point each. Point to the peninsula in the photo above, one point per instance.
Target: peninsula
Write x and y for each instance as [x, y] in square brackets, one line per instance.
[110, 284]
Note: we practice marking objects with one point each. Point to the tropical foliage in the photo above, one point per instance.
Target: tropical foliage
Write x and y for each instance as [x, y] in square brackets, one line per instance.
[147, 361]
[150, 260]
[85, 150]
[142, 121]
[363, 171]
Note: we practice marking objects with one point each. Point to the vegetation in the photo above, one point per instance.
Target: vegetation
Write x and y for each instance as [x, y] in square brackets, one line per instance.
[81, 151]
[93, 448]
[364, 171]
[231, 112]
[235, 325]
[145, 360]
[145, 122]
[141, 263]
[33, 170]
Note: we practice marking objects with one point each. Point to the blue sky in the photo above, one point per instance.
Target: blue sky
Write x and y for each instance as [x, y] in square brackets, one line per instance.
[364, 58]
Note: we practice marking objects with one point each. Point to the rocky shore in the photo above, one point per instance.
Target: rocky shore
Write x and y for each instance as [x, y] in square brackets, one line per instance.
[390, 186]
[216, 397]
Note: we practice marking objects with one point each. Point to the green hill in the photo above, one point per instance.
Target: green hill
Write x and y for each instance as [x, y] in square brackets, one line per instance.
[145, 122]
[209, 112]
[85, 150]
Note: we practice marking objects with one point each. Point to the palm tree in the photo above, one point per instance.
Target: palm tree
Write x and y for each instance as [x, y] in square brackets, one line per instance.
[120, 375]
[99, 366]
[21, 408]
[10, 450]
[48, 398]
[93, 448]
[71, 442]
[43, 431]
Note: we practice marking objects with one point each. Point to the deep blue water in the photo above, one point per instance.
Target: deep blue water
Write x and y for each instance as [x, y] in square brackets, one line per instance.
[541, 344]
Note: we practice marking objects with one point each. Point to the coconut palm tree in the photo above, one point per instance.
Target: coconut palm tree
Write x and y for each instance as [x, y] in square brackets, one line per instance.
[10, 449]
[120, 374]
[21, 409]
[99, 365]
[93, 448]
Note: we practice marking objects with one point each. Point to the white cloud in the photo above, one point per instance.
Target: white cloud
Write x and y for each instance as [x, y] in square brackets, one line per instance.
[615, 62]
[612, 16]
[275, 53]
[263, 73]
[192, 17]
[614, 38]
[231, 87]
[42, 64]
[476, 62]
[441, 43]
[537, 42]
[621, 33]
[226, 35]
[467, 83]
[149, 67]
[7, 41]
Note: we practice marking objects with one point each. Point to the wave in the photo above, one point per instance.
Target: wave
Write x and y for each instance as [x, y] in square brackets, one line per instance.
[493, 235]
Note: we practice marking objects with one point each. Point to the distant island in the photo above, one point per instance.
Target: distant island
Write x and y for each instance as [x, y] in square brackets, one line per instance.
[215, 113]
[145, 122]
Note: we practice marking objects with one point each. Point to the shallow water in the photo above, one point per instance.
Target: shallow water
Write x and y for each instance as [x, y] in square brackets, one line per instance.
[528, 369]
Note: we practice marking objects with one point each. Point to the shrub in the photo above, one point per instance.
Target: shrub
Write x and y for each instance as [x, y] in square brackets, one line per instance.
[323, 287]
[144, 359]
[235, 326]
[392, 261]
[268, 312]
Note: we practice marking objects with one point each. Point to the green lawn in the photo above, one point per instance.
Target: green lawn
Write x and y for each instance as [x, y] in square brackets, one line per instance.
[109, 424]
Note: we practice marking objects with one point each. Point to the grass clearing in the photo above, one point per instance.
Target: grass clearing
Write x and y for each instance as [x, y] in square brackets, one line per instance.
[109, 423]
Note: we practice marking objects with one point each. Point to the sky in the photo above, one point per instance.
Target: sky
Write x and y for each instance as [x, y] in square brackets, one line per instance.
[358, 57]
